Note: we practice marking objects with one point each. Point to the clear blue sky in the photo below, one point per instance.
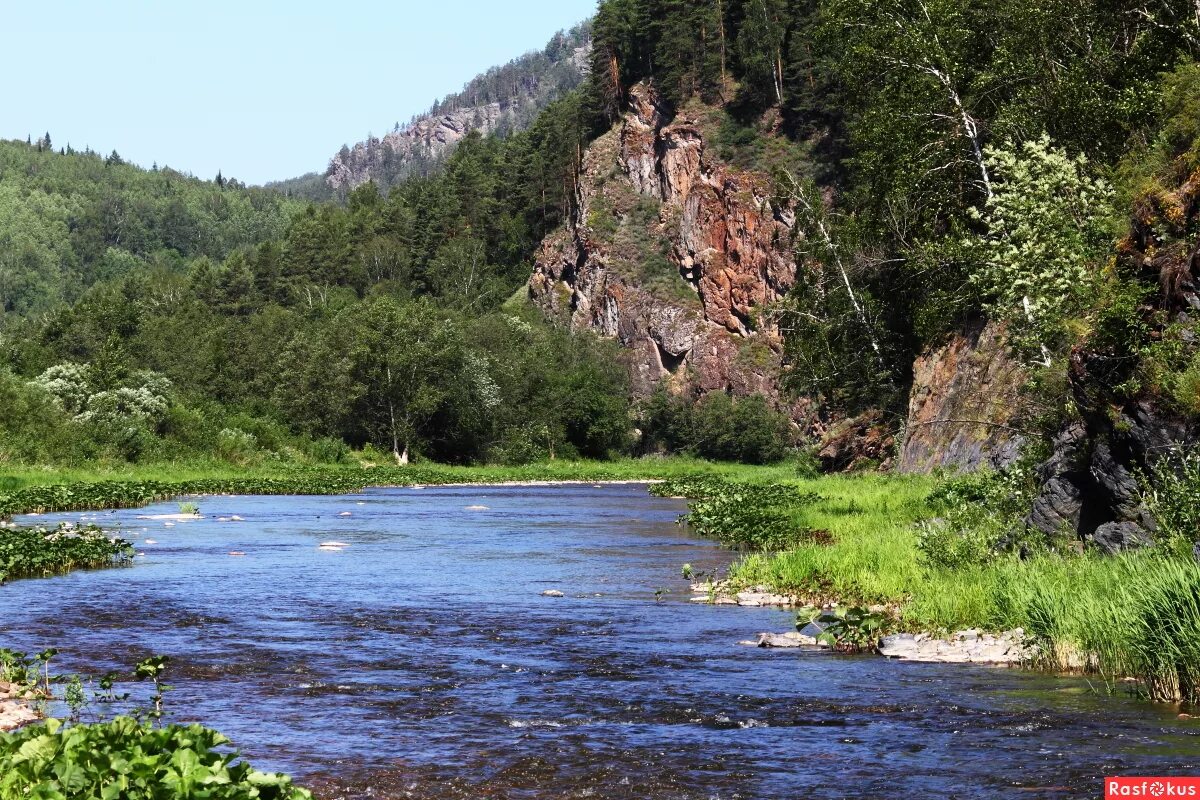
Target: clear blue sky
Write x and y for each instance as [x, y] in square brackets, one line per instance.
[260, 89]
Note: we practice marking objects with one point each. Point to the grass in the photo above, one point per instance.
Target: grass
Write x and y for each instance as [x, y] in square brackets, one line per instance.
[873, 558]
[1134, 615]
[16, 476]
[46, 489]
[856, 542]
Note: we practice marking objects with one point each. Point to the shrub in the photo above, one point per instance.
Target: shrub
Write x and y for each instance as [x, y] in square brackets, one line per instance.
[237, 446]
[981, 515]
[131, 760]
[753, 516]
[1045, 230]
[746, 430]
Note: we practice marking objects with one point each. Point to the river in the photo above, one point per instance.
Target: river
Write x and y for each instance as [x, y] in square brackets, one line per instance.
[423, 661]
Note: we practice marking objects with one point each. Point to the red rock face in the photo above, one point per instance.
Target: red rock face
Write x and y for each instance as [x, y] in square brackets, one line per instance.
[965, 396]
[727, 249]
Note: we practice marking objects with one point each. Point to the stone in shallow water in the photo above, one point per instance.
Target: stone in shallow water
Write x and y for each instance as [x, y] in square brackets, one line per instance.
[789, 639]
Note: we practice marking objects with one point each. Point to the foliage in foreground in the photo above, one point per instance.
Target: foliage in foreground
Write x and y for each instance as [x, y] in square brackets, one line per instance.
[126, 757]
[38, 552]
[131, 760]
[847, 630]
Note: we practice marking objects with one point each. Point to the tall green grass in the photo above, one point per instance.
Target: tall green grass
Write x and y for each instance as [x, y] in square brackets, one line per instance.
[1133, 615]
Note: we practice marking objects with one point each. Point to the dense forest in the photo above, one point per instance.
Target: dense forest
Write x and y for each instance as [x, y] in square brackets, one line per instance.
[71, 219]
[946, 159]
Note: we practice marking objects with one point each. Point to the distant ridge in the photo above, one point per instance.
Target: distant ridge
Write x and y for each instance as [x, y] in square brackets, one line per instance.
[503, 100]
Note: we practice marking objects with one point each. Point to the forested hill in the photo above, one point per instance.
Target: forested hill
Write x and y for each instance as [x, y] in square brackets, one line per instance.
[912, 232]
[501, 101]
[69, 220]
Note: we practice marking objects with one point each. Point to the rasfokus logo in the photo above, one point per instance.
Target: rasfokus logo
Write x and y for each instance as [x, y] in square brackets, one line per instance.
[1152, 787]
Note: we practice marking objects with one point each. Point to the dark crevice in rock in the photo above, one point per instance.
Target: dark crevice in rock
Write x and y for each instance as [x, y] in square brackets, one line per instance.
[670, 362]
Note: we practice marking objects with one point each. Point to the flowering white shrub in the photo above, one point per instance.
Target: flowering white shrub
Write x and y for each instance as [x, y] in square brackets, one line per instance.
[487, 391]
[71, 388]
[1044, 235]
[68, 384]
[124, 405]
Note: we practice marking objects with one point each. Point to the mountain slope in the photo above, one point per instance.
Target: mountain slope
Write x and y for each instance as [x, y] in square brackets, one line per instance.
[501, 101]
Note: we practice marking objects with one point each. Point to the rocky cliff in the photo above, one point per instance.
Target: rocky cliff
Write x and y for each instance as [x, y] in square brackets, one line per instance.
[414, 148]
[675, 254]
[501, 101]
[964, 404]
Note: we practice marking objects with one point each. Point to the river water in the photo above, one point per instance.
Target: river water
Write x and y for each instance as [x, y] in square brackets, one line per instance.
[423, 661]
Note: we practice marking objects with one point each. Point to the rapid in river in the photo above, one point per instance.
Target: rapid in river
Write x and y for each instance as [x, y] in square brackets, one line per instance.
[422, 660]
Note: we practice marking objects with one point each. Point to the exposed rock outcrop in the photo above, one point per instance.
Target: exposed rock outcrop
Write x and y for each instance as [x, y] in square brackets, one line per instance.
[674, 254]
[964, 402]
[423, 142]
[503, 100]
[858, 443]
[1089, 485]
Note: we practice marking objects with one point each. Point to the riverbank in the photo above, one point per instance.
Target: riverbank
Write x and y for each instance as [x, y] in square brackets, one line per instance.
[41, 490]
[850, 540]
[858, 541]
